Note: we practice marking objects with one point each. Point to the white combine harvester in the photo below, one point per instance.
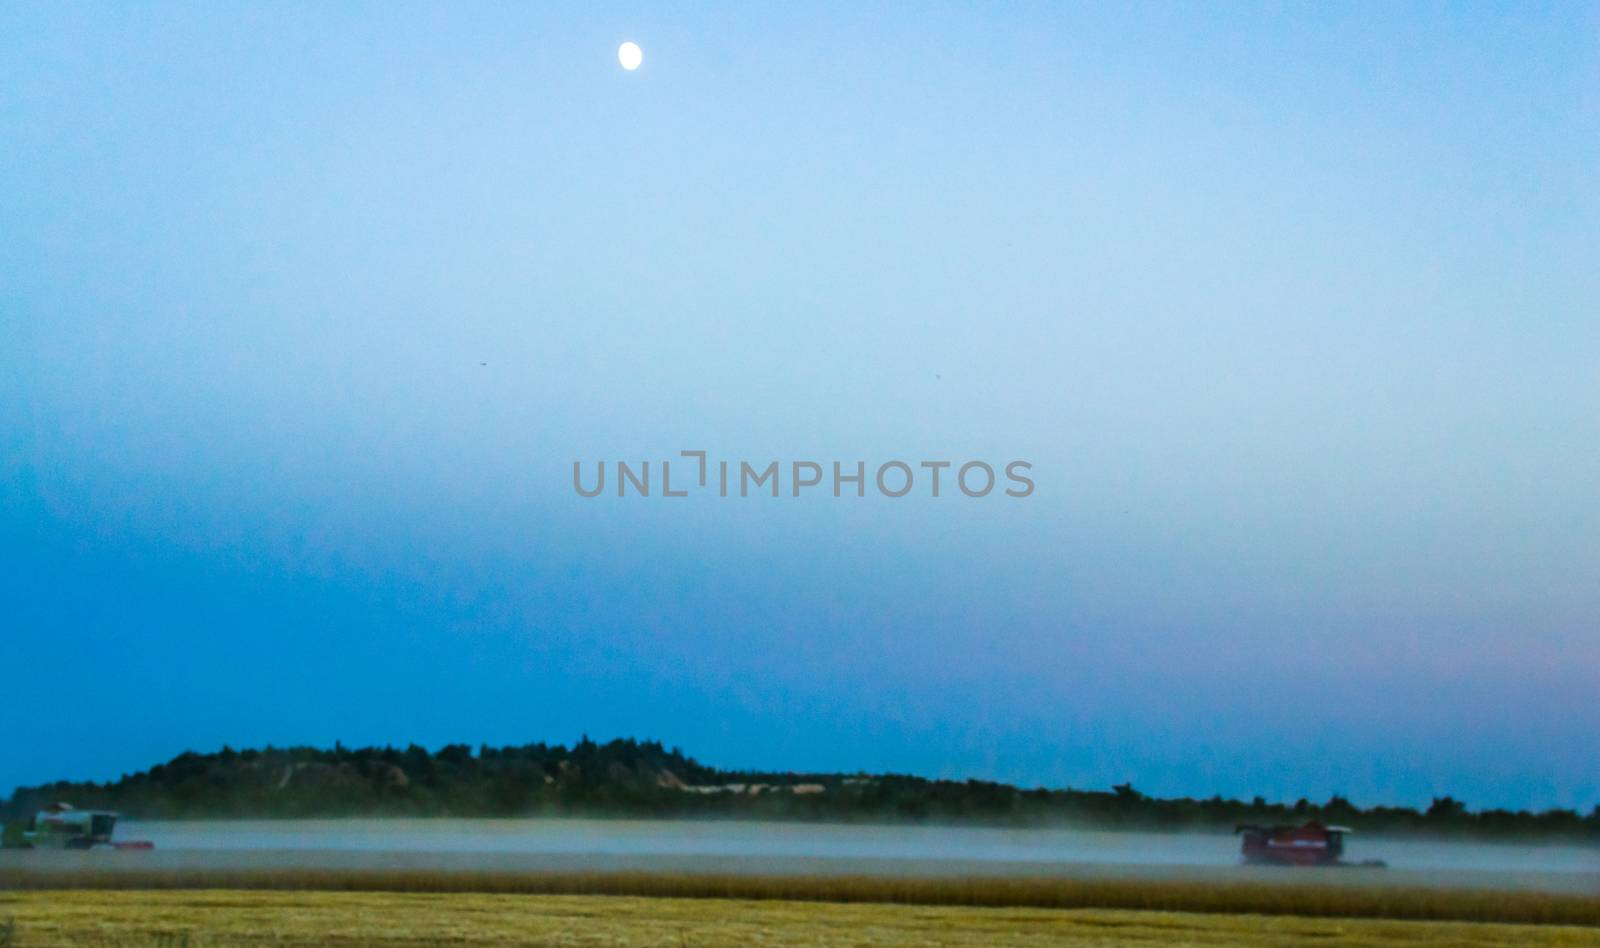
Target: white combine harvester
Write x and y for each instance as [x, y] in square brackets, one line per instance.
[62, 826]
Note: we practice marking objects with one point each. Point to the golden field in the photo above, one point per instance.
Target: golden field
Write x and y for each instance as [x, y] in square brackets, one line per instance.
[1221, 894]
[205, 918]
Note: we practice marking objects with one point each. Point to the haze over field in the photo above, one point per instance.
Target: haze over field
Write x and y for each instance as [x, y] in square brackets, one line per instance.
[664, 845]
[305, 313]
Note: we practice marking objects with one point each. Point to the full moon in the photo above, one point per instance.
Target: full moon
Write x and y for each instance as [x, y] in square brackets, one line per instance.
[630, 55]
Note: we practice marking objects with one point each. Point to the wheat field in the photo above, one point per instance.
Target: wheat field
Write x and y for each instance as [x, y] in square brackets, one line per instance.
[1285, 895]
[228, 918]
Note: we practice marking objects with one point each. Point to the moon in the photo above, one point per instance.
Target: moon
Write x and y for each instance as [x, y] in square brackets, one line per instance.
[630, 55]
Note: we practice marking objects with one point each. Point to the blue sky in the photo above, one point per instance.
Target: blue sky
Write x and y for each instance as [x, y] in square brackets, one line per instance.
[1293, 309]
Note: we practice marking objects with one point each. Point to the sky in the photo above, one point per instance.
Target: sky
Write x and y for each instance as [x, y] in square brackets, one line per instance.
[306, 311]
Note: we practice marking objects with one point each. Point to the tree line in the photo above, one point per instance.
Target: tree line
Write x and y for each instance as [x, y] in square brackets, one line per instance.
[632, 778]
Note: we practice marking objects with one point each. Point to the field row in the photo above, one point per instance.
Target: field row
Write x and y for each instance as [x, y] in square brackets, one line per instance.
[235, 919]
[1375, 901]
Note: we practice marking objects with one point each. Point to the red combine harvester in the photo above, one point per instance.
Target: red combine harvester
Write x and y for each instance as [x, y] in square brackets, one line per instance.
[1309, 844]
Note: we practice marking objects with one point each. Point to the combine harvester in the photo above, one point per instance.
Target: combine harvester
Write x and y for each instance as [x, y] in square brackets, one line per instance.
[62, 826]
[1310, 844]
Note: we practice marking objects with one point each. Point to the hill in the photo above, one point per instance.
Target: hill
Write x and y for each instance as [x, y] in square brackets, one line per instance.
[629, 778]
